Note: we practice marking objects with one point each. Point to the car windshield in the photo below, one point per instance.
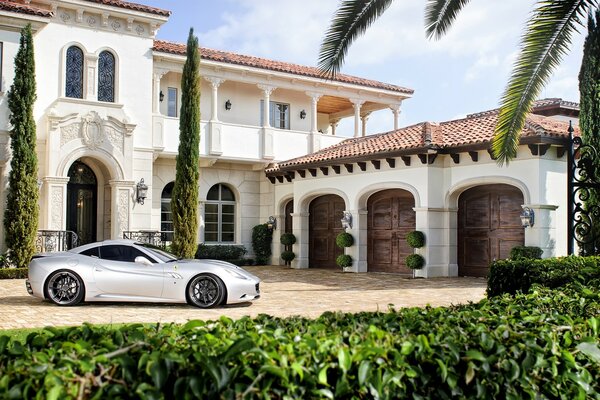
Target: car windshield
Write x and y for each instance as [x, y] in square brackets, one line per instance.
[158, 253]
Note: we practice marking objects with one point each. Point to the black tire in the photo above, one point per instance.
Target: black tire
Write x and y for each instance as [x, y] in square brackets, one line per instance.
[205, 291]
[64, 288]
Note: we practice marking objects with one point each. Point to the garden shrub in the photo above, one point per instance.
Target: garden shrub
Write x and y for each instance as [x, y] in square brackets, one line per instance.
[287, 239]
[344, 239]
[415, 261]
[13, 273]
[220, 252]
[525, 252]
[511, 276]
[543, 344]
[415, 239]
[288, 256]
[344, 260]
[262, 237]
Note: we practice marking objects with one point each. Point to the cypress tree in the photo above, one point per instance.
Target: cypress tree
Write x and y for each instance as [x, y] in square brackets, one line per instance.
[589, 121]
[21, 214]
[184, 202]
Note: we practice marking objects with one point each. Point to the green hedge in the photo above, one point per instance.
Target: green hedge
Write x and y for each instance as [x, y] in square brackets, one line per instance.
[230, 253]
[262, 237]
[13, 273]
[510, 276]
[538, 345]
[525, 252]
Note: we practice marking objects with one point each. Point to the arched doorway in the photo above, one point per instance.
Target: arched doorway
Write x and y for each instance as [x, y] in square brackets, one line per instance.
[488, 226]
[289, 209]
[166, 214]
[390, 218]
[324, 225]
[82, 201]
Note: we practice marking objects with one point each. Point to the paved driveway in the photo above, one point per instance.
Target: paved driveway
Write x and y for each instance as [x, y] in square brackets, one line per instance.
[285, 292]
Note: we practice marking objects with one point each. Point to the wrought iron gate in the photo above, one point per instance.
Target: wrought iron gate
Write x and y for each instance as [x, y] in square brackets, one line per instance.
[583, 184]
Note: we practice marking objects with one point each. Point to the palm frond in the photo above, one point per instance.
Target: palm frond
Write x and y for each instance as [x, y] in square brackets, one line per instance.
[546, 40]
[350, 21]
[440, 15]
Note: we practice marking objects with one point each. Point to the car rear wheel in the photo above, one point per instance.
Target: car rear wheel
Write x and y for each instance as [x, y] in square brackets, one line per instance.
[206, 291]
[64, 288]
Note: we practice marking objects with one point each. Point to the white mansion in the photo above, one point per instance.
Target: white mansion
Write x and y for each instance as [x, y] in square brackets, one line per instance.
[107, 126]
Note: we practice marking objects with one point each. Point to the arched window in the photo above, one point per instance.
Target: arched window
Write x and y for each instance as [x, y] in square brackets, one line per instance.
[106, 76]
[166, 215]
[74, 73]
[219, 215]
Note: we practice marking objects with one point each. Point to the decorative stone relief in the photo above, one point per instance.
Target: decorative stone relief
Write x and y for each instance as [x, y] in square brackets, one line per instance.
[56, 207]
[91, 127]
[115, 137]
[123, 212]
[69, 132]
[65, 17]
[139, 29]
[91, 21]
[115, 25]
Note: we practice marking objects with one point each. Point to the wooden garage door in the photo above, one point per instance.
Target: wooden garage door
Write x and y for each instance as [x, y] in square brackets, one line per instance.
[390, 218]
[325, 215]
[488, 226]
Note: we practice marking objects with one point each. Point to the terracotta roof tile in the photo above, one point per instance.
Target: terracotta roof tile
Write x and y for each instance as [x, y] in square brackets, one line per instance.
[12, 6]
[272, 65]
[538, 105]
[455, 133]
[133, 6]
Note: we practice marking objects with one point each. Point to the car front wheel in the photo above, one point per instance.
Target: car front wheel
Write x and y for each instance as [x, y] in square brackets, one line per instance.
[206, 291]
[64, 288]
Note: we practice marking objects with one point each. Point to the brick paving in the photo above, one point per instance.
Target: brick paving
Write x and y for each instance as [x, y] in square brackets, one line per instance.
[284, 292]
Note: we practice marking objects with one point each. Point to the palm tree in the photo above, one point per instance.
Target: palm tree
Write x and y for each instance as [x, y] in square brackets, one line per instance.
[545, 41]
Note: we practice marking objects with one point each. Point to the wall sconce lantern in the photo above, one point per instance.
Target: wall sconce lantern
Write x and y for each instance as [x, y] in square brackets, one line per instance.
[527, 217]
[142, 191]
[271, 223]
[346, 220]
[161, 96]
[228, 105]
[302, 114]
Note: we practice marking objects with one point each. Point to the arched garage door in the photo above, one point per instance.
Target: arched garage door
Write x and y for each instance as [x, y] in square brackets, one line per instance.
[324, 225]
[390, 218]
[488, 226]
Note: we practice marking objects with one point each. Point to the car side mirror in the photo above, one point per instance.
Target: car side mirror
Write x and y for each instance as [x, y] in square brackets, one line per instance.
[142, 260]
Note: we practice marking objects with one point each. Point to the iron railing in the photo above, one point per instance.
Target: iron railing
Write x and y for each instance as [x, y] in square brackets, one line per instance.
[48, 240]
[155, 238]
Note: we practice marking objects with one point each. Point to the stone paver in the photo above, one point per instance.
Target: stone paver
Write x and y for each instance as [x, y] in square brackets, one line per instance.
[284, 292]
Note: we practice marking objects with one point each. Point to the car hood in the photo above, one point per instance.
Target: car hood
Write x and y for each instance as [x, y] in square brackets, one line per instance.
[219, 264]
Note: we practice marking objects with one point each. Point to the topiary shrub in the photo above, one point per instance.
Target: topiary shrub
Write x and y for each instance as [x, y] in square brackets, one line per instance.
[415, 239]
[262, 237]
[288, 256]
[415, 261]
[344, 239]
[287, 239]
[220, 252]
[343, 260]
[518, 252]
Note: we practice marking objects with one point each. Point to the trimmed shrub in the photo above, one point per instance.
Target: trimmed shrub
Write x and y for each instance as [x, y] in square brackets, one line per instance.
[415, 261]
[288, 256]
[343, 260]
[518, 252]
[415, 239]
[220, 252]
[287, 239]
[512, 276]
[344, 239]
[13, 273]
[262, 237]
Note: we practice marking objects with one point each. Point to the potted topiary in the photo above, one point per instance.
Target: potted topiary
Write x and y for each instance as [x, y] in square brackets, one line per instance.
[344, 261]
[344, 239]
[415, 239]
[288, 256]
[415, 261]
[287, 239]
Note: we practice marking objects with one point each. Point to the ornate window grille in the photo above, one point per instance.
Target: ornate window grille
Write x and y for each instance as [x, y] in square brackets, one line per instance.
[166, 214]
[106, 77]
[74, 73]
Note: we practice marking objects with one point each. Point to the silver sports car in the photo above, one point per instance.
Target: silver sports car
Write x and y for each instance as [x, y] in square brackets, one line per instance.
[125, 270]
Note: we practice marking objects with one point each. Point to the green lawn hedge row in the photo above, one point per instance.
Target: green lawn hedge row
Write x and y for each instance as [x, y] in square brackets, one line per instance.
[544, 344]
[510, 276]
[13, 273]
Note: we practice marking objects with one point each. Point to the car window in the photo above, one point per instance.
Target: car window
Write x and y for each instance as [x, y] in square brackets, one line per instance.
[122, 253]
[91, 252]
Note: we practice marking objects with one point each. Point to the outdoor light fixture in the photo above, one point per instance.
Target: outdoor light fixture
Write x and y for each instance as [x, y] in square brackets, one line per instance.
[302, 114]
[228, 105]
[161, 96]
[346, 220]
[142, 191]
[271, 223]
[527, 217]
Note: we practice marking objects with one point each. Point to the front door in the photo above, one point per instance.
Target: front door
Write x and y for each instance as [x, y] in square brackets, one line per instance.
[82, 191]
[325, 215]
[390, 218]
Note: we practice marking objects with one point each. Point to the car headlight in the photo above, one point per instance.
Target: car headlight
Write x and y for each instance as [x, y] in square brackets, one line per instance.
[236, 274]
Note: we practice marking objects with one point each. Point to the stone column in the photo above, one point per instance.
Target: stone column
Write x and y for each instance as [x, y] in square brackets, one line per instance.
[356, 103]
[396, 110]
[122, 195]
[301, 247]
[54, 189]
[314, 142]
[334, 123]
[214, 130]
[543, 232]
[214, 83]
[440, 241]
[91, 81]
[158, 74]
[365, 118]
[267, 133]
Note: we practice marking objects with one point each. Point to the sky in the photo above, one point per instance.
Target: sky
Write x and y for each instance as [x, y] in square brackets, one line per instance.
[464, 72]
